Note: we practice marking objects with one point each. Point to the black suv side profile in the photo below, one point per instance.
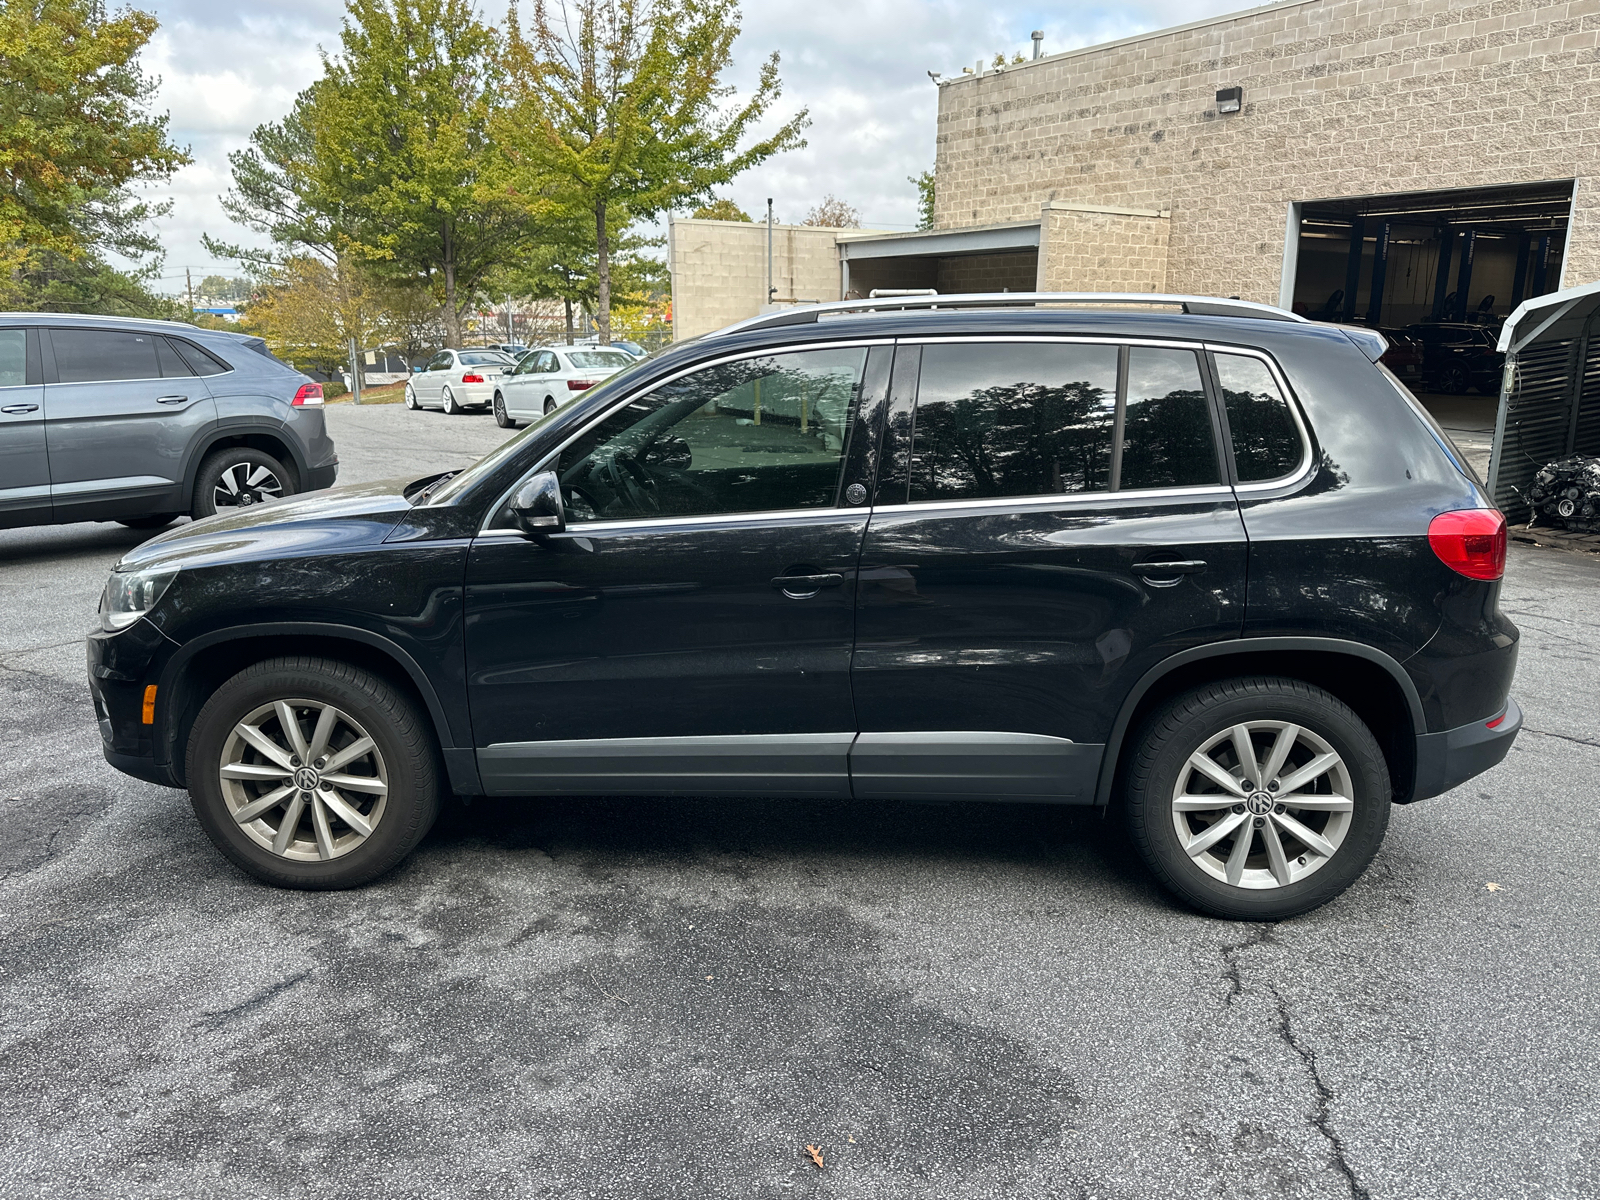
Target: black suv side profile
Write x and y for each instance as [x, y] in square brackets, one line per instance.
[1200, 558]
[103, 419]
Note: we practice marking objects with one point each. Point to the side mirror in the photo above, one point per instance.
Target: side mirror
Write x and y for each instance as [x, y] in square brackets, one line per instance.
[537, 507]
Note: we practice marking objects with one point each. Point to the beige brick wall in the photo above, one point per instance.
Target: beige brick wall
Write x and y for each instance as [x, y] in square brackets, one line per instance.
[1342, 98]
[1098, 250]
[719, 270]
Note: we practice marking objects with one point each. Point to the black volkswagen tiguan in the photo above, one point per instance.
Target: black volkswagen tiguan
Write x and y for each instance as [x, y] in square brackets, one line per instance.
[1198, 559]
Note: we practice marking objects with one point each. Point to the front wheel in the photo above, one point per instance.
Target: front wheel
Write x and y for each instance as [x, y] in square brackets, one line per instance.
[450, 405]
[1257, 799]
[238, 477]
[311, 773]
[501, 417]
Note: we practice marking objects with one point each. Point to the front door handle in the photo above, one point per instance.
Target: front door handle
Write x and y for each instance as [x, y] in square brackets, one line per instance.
[19, 408]
[172, 399]
[1166, 573]
[798, 587]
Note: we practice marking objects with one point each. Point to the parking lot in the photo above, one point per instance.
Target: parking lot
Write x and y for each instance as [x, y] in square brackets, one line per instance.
[626, 998]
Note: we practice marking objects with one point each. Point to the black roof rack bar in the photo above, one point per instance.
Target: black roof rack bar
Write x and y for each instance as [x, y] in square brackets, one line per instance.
[1205, 306]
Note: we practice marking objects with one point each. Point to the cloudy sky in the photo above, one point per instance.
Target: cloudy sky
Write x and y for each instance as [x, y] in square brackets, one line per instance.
[860, 66]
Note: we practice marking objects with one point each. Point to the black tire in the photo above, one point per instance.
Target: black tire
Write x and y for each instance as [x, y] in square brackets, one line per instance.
[402, 737]
[209, 486]
[450, 406]
[501, 417]
[153, 521]
[411, 398]
[1454, 379]
[549, 405]
[1162, 751]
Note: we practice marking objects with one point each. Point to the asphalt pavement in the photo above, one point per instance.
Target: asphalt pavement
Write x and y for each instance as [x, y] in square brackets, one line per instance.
[639, 998]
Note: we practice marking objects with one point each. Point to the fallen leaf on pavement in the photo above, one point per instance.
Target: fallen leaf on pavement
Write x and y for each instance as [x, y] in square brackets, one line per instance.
[1493, 887]
[816, 1156]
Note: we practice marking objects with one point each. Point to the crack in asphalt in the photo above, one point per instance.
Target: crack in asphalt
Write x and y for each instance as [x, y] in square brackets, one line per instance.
[35, 649]
[1321, 1119]
[1565, 737]
[262, 998]
[1262, 936]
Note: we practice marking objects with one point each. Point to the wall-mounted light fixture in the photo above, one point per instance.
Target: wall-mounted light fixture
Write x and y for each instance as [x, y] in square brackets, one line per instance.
[1230, 100]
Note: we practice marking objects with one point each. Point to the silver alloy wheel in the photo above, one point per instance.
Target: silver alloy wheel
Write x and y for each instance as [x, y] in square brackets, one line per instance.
[1263, 804]
[501, 417]
[303, 779]
[549, 405]
[450, 405]
[244, 484]
[411, 398]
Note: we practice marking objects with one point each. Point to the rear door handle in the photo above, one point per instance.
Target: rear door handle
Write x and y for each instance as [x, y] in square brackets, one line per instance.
[798, 587]
[172, 399]
[19, 408]
[1169, 570]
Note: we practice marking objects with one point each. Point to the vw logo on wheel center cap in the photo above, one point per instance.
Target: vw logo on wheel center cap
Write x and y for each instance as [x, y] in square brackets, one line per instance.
[306, 779]
[1260, 803]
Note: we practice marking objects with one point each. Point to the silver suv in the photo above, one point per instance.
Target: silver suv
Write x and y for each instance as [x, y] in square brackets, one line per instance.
[143, 421]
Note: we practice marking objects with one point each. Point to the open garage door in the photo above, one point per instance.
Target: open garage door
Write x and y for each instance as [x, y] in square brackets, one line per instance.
[1465, 255]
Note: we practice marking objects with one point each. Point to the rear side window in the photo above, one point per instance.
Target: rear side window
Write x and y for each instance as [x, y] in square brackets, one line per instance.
[103, 355]
[172, 366]
[201, 362]
[13, 357]
[1013, 419]
[1167, 439]
[1266, 441]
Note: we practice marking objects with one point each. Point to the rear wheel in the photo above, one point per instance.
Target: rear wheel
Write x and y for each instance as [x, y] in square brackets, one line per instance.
[1455, 379]
[549, 405]
[1257, 799]
[501, 417]
[238, 477]
[411, 398]
[450, 405]
[311, 773]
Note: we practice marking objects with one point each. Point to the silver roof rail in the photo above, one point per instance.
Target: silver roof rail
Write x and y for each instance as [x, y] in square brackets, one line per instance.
[1205, 306]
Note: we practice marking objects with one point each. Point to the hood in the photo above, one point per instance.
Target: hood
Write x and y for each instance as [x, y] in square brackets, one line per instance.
[339, 518]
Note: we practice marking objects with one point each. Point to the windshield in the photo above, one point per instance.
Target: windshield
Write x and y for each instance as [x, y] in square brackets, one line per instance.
[586, 360]
[485, 358]
[489, 463]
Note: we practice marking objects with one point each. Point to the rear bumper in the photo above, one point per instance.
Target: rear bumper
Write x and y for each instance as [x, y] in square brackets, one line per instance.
[1446, 760]
[318, 478]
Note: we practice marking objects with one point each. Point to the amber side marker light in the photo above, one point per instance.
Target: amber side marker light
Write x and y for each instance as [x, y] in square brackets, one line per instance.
[148, 712]
[1470, 541]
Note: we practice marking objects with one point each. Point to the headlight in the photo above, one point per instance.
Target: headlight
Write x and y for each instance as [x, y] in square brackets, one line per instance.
[131, 594]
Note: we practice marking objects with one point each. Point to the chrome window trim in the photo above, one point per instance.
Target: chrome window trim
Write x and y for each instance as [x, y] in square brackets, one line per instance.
[1072, 338]
[777, 516]
[1307, 461]
[622, 402]
[1070, 499]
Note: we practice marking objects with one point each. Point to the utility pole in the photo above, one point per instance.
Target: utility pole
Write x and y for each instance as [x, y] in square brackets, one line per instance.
[511, 332]
[189, 278]
[355, 373]
[771, 289]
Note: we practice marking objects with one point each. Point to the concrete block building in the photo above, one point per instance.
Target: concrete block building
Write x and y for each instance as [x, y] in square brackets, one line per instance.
[1360, 160]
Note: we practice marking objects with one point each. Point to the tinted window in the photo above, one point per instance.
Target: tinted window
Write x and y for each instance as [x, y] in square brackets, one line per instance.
[1013, 420]
[439, 362]
[1166, 436]
[485, 358]
[13, 357]
[604, 360]
[201, 362]
[1266, 444]
[99, 355]
[748, 436]
[172, 366]
[548, 364]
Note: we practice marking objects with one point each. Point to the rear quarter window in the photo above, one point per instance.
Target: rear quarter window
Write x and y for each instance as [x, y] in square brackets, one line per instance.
[1266, 439]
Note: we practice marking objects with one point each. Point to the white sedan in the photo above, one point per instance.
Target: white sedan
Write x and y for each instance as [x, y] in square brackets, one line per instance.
[547, 378]
[455, 380]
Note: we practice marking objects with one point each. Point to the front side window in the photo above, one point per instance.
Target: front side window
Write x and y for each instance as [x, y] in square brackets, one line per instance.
[1013, 419]
[103, 355]
[1167, 440]
[754, 435]
[1266, 441]
[13, 357]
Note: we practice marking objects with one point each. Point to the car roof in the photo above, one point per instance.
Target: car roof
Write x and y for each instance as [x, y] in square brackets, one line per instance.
[179, 328]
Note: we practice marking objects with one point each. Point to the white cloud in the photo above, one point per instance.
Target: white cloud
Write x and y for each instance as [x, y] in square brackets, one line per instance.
[859, 66]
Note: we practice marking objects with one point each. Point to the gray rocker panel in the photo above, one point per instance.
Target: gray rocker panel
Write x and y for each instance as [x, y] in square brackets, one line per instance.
[907, 766]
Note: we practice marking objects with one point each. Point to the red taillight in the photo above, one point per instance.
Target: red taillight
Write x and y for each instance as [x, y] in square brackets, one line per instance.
[577, 385]
[472, 377]
[309, 393]
[1470, 541]
[1497, 722]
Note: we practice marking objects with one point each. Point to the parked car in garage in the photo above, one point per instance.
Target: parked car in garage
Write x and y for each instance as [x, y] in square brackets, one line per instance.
[549, 376]
[1457, 356]
[1404, 356]
[1064, 554]
[456, 380]
[103, 419]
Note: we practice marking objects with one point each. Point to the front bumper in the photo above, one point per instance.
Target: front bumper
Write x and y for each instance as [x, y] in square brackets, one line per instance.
[120, 664]
[1446, 760]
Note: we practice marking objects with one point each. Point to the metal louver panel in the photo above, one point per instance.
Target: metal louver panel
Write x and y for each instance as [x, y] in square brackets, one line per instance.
[1587, 440]
[1538, 420]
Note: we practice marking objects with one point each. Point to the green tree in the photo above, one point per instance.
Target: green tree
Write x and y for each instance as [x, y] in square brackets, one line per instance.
[924, 186]
[402, 165]
[833, 213]
[620, 104]
[75, 136]
[720, 210]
